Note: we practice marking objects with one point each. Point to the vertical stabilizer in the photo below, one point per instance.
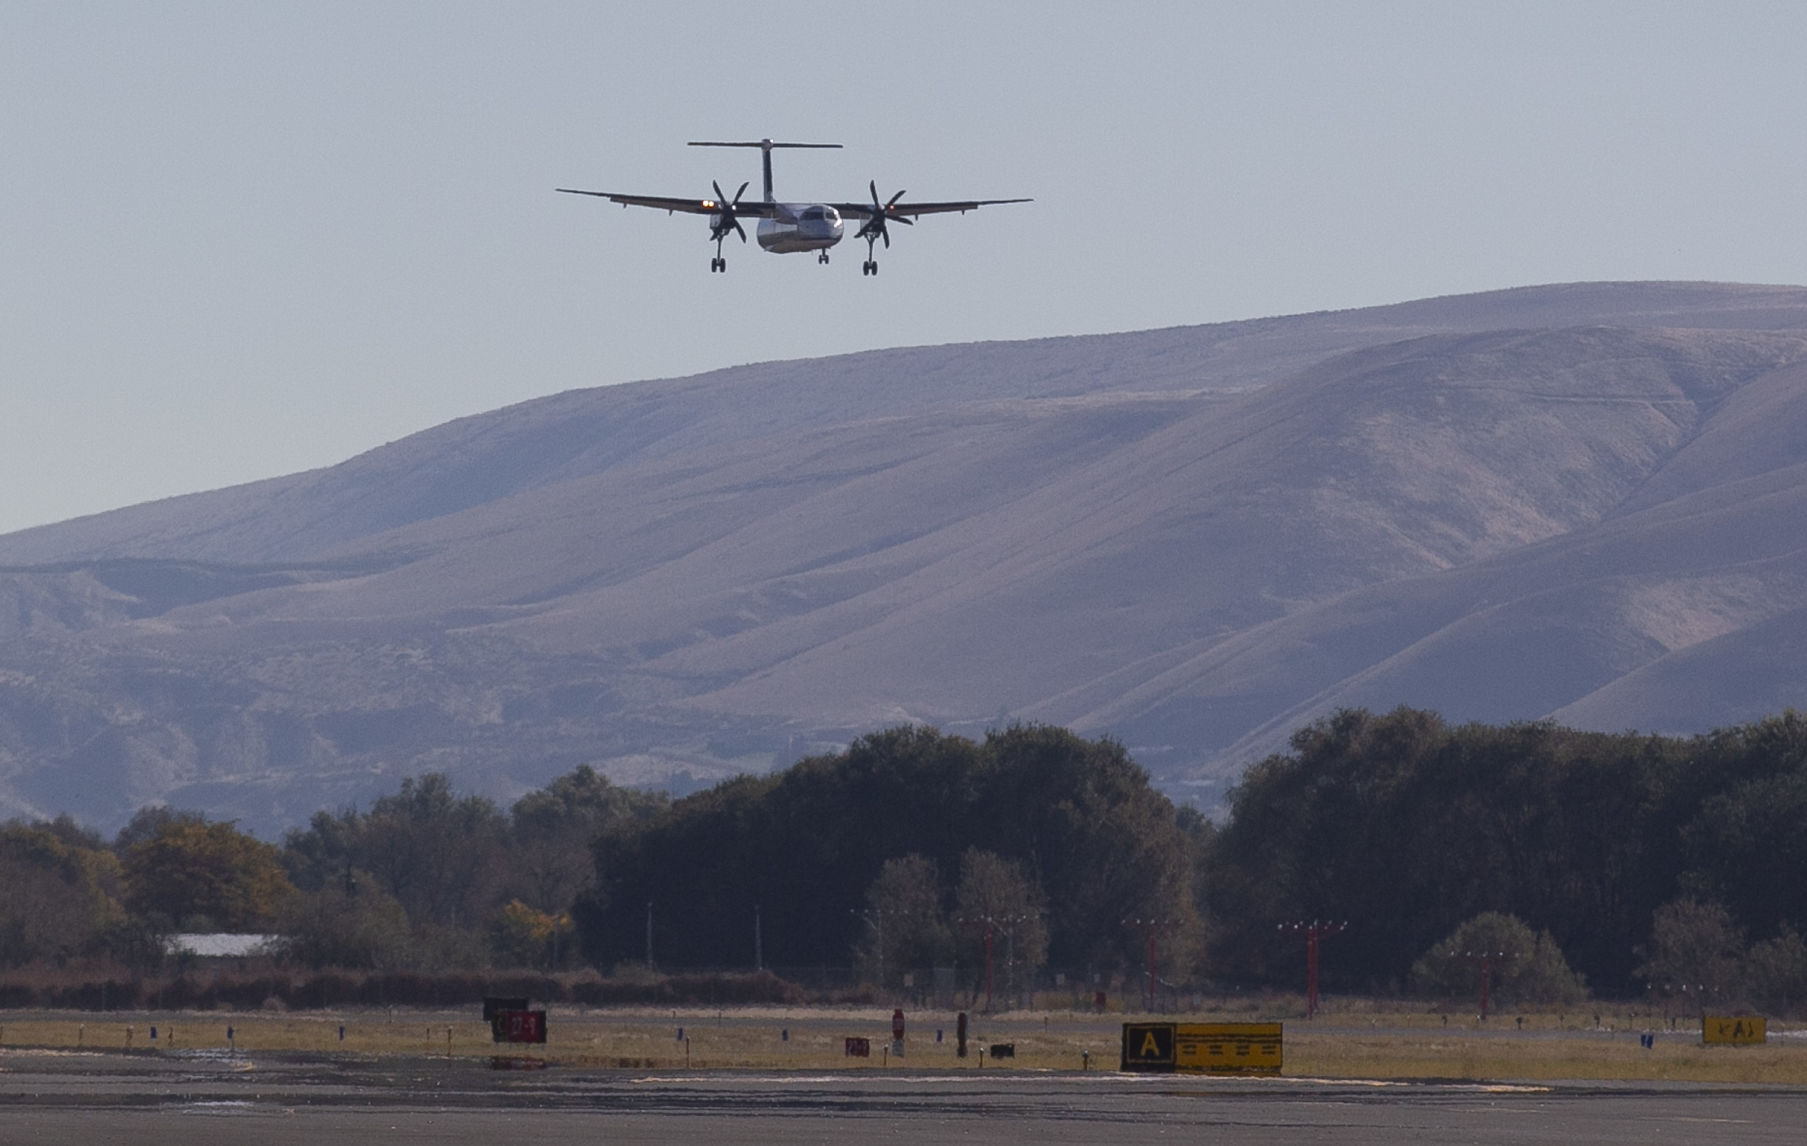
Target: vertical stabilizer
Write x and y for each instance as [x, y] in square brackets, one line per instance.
[765, 148]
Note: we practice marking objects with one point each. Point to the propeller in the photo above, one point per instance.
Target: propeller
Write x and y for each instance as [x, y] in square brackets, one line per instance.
[874, 228]
[727, 216]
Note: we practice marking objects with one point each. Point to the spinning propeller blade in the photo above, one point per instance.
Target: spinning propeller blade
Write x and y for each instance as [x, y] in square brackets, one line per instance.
[875, 227]
[727, 215]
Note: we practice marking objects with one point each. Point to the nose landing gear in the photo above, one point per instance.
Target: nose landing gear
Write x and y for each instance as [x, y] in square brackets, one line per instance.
[822, 258]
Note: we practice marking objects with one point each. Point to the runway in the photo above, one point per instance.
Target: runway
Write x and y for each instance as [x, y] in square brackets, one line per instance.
[211, 1097]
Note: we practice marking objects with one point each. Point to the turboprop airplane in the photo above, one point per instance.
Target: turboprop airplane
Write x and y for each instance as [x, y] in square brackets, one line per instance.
[785, 228]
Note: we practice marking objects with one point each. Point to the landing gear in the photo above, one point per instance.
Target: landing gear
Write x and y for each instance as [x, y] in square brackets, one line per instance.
[723, 221]
[822, 258]
[874, 228]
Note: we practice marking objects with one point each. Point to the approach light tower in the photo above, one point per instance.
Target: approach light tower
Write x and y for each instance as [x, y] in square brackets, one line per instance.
[875, 919]
[989, 926]
[1487, 960]
[1152, 927]
[1313, 932]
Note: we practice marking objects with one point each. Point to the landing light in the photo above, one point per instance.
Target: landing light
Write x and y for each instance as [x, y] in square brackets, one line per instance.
[709, 203]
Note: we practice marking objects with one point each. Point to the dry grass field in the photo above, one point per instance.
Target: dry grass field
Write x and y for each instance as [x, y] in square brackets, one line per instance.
[1376, 1045]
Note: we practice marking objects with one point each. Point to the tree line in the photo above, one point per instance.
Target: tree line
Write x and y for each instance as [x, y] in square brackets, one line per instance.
[1617, 864]
[907, 849]
[1612, 845]
[425, 879]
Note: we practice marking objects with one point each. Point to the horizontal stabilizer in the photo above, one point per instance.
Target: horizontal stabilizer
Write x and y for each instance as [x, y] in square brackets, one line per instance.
[763, 143]
[765, 148]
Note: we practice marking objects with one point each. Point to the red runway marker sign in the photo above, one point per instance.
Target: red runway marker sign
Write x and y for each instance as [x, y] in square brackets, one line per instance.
[518, 1026]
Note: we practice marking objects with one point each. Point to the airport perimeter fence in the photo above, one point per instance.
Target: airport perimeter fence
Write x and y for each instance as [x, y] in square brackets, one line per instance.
[210, 989]
[250, 984]
[964, 988]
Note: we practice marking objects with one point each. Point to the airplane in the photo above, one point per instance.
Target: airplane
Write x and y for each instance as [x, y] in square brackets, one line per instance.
[786, 228]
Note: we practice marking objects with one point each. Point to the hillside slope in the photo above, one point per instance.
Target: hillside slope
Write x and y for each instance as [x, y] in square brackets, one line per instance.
[1572, 501]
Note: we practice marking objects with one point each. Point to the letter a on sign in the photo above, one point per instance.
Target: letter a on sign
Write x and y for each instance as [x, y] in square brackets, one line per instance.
[1148, 1046]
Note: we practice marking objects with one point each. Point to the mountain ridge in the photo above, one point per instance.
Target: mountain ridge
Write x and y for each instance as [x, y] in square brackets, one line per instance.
[1514, 505]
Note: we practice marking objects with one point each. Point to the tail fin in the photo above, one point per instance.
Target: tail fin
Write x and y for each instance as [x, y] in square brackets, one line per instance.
[765, 146]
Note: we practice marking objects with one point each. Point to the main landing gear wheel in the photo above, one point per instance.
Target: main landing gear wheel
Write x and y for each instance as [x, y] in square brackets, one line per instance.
[875, 229]
[724, 220]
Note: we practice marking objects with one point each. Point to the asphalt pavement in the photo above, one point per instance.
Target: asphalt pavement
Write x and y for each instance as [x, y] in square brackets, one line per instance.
[51, 1098]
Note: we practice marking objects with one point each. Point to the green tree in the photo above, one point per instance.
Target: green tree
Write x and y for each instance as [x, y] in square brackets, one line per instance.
[1407, 826]
[438, 853]
[150, 820]
[906, 925]
[202, 875]
[325, 852]
[800, 846]
[1696, 951]
[364, 928]
[61, 892]
[553, 829]
[998, 906]
[450, 863]
[1087, 823]
[1775, 972]
[1079, 817]
[1526, 966]
[526, 937]
[1744, 841]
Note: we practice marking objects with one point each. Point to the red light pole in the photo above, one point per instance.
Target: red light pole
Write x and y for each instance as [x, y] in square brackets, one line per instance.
[1151, 927]
[990, 931]
[1313, 932]
[1486, 959]
[989, 926]
[875, 919]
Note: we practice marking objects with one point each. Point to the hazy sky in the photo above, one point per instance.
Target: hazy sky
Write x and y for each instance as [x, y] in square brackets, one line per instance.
[244, 239]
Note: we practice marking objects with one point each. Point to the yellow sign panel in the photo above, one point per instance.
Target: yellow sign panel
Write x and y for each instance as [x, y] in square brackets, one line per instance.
[1203, 1048]
[1733, 1030]
[1228, 1048]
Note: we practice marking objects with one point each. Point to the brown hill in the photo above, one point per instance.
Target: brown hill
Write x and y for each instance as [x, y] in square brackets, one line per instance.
[1570, 501]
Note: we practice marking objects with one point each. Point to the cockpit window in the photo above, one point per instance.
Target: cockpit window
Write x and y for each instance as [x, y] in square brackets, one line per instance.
[815, 213]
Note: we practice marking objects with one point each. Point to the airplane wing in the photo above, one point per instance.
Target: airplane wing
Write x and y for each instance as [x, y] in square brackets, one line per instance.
[753, 210]
[868, 210]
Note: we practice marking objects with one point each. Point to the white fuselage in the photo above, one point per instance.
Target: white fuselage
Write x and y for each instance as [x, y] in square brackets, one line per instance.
[800, 227]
